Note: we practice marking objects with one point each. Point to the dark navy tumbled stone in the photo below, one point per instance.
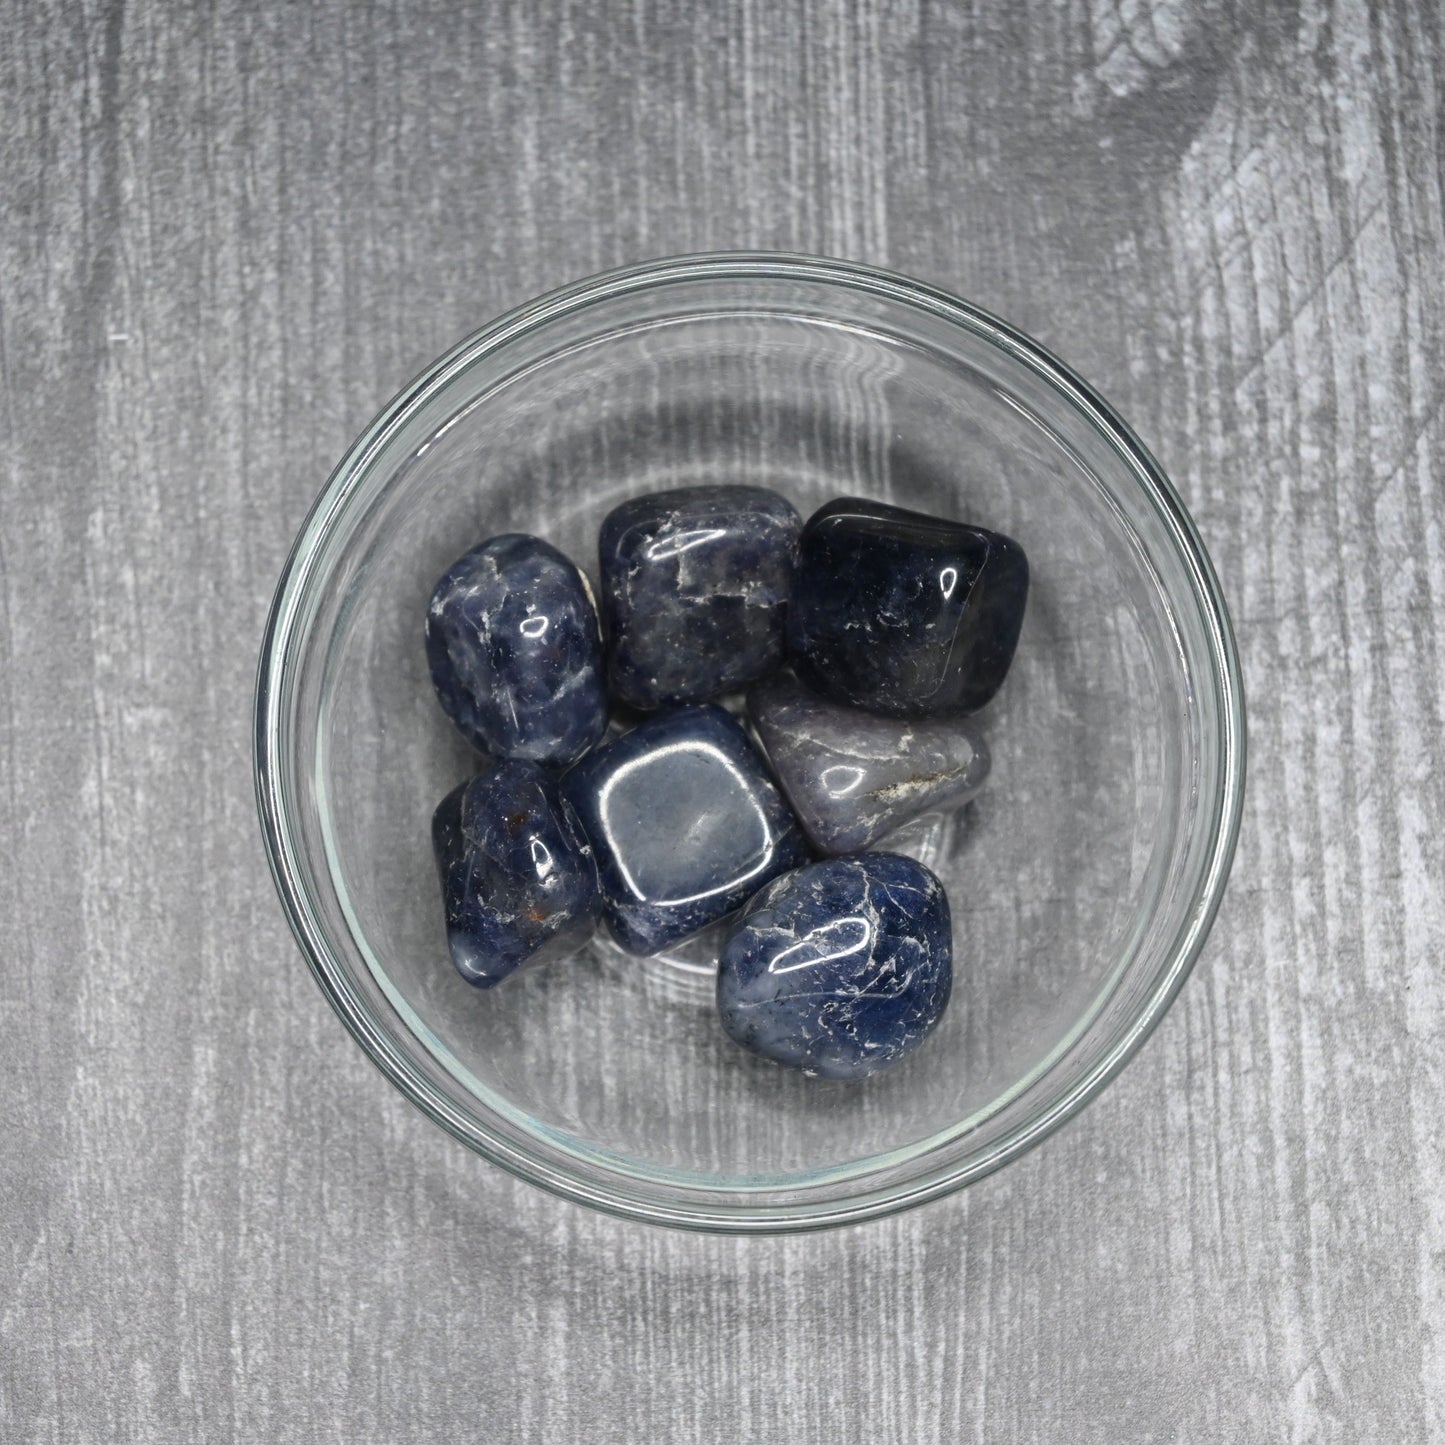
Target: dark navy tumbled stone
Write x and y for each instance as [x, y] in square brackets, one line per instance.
[519, 881]
[685, 822]
[695, 587]
[841, 968]
[902, 613]
[853, 777]
[516, 653]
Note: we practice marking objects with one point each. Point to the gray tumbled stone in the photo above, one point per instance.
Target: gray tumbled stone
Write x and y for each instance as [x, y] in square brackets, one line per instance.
[853, 777]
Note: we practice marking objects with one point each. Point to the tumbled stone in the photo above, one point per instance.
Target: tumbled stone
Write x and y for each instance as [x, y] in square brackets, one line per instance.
[519, 882]
[516, 653]
[903, 613]
[853, 777]
[695, 587]
[685, 822]
[841, 968]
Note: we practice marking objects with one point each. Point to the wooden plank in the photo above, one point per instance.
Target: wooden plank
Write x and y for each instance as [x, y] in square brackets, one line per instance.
[230, 232]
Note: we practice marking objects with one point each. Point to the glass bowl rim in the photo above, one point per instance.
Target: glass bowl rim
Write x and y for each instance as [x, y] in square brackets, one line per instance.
[621, 1194]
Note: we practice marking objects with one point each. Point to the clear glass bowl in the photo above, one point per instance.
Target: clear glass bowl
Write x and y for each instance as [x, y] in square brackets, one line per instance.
[1082, 883]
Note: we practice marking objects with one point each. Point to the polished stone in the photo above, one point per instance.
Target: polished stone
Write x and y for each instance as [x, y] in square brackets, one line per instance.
[516, 653]
[902, 613]
[853, 777]
[841, 968]
[695, 587]
[519, 882]
[685, 822]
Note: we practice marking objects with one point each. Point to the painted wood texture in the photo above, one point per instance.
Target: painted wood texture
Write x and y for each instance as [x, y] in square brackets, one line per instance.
[229, 231]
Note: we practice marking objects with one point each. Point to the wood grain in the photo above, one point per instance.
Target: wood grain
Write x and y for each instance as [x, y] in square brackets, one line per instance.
[230, 232]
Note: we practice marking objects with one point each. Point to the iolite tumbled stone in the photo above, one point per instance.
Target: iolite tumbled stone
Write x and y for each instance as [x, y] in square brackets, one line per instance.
[903, 613]
[516, 653]
[519, 882]
[685, 822]
[853, 777]
[695, 586]
[841, 968]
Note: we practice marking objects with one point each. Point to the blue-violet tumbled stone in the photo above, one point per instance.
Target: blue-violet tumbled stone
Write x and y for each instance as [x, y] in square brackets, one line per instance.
[853, 777]
[902, 613]
[515, 651]
[518, 878]
[695, 589]
[685, 822]
[841, 968]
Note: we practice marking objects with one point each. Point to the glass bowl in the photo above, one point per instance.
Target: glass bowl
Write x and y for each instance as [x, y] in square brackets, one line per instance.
[1082, 883]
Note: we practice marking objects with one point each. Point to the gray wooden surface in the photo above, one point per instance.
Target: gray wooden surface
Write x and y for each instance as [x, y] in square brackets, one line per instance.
[229, 231]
